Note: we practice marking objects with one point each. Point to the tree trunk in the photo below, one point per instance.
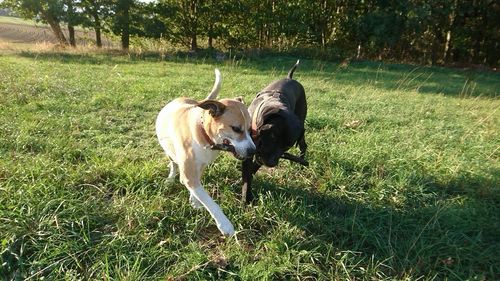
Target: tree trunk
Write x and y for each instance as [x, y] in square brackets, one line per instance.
[436, 43]
[260, 36]
[210, 37]
[451, 26]
[477, 37]
[193, 25]
[125, 38]
[447, 46]
[98, 37]
[477, 48]
[194, 42]
[56, 28]
[324, 23]
[71, 30]
[97, 26]
[125, 27]
[71, 22]
[210, 42]
[434, 51]
[492, 54]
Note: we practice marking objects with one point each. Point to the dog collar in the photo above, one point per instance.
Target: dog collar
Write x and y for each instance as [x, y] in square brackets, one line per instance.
[211, 145]
[204, 133]
[254, 118]
[268, 94]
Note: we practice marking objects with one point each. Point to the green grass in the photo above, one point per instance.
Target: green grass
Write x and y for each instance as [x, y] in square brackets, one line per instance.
[403, 182]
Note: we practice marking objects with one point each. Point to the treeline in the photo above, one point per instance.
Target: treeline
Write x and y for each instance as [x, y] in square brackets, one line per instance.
[424, 31]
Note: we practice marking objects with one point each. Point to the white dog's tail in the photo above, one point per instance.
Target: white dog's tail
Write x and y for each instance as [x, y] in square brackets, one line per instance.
[217, 85]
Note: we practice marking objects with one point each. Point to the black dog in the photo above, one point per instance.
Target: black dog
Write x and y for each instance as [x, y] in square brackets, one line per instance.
[278, 114]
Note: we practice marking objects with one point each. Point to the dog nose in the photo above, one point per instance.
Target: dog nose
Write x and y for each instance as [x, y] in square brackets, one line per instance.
[250, 151]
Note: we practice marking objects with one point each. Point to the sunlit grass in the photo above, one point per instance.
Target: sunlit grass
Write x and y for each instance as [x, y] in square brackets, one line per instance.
[403, 181]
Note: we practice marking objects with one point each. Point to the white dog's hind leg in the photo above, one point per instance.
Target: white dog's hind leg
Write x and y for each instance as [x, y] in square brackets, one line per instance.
[224, 225]
[174, 170]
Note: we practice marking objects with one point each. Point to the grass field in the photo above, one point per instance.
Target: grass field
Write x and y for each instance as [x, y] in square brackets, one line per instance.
[403, 183]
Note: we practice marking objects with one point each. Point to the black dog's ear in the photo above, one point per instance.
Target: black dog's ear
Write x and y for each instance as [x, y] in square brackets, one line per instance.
[214, 107]
[268, 111]
[265, 127]
[265, 114]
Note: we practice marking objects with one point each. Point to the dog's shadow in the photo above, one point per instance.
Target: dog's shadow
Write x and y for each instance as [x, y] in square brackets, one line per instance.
[422, 237]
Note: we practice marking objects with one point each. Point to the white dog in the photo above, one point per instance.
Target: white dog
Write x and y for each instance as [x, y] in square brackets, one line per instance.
[188, 130]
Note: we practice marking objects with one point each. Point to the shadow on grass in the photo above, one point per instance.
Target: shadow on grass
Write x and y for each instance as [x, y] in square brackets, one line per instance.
[454, 237]
[105, 57]
[426, 80]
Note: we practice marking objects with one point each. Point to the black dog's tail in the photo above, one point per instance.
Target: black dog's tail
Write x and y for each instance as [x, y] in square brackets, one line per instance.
[290, 73]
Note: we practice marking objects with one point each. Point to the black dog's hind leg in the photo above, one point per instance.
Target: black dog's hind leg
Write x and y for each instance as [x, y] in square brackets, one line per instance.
[248, 169]
[302, 145]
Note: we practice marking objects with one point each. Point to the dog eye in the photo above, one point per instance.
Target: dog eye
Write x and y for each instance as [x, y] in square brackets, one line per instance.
[237, 130]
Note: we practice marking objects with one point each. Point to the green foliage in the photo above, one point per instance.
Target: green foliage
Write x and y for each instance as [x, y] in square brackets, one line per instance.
[185, 21]
[403, 182]
[32, 9]
[423, 31]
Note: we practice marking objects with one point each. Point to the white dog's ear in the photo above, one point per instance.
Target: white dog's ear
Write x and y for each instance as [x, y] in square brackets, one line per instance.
[240, 99]
[214, 107]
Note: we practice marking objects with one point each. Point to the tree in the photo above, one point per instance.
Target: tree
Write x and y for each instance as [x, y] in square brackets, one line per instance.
[213, 13]
[183, 17]
[96, 12]
[72, 18]
[120, 20]
[122, 13]
[188, 20]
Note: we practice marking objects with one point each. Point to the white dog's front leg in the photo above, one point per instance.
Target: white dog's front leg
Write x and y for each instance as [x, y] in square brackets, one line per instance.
[224, 225]
[194, 202]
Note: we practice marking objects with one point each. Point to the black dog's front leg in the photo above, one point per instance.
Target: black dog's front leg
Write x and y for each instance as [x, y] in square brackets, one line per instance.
[246, 173]
[248, 169]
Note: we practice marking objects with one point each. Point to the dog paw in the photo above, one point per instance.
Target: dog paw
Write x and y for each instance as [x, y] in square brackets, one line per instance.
[226, 228]
[195, 203]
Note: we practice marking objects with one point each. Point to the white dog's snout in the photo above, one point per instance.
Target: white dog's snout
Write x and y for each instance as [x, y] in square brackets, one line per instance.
[244, 148]
[250, 149]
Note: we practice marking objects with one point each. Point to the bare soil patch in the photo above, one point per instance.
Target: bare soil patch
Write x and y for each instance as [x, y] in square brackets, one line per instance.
[29, 34]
